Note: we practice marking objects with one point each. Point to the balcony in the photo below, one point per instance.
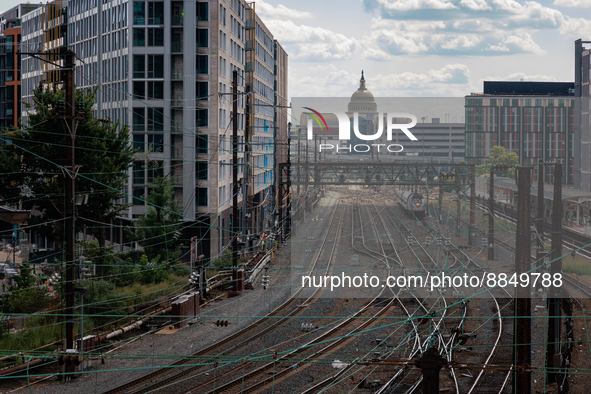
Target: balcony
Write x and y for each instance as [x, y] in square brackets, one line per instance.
[176, 153]
[177, 74]
[177, 128]
[177, 101]
[177, 180]
[176, 20]
[176, 47]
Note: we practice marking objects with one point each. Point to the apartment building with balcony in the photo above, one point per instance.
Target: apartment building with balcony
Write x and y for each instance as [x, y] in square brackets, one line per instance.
[10, 70]
[165, 69]
[44, 31]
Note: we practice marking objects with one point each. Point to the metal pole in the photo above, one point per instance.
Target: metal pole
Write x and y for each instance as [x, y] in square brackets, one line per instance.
[440, 199]
[491, 217]
[289, 197]
[522, 326]
[472, 204]
[69, 194]
[457, 201]
[235, 180]
[553, 347]
[81, 324]
[430, 364]
[280, 203]
[246, 173]
[540, 207]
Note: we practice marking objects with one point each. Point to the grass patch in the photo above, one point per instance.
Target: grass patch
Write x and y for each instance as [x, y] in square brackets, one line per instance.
[42, 330]
[581, 265]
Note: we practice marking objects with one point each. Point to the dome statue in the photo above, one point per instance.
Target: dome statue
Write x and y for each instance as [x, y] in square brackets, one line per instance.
[362, 100]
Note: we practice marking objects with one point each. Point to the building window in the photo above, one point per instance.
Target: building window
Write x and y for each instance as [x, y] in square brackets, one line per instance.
[139, 13]
[155, 119]
[155, 66]
[538, 102]
[139, 37]
[202, 117]
[155, 143]
[202, 64]
[138, 119]
[202, 12]
[156, 13]
[201, 144]
[139, 90]
[202, 91]
[506, 102]
[202, 38]
[138, 172]
[201, 170]
[155, 90]
[138, 144]
[155, 170]
[138, 195]
[139, 66]
[155, 37]
[201, 196]
[550, 102]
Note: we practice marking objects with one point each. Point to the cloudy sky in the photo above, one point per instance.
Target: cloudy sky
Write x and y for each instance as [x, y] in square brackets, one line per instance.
[424, 47]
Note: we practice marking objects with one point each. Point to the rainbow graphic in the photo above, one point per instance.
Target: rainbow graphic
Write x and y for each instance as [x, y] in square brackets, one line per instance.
[316, 118]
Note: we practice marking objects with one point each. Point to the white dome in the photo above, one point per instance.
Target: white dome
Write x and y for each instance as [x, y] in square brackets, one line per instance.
[362, 100]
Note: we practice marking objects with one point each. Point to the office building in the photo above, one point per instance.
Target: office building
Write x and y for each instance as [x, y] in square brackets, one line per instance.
[165, 69]
[533, 119]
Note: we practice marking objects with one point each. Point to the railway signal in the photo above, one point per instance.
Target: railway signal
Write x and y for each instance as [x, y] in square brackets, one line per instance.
[194, 279]
[265, 281]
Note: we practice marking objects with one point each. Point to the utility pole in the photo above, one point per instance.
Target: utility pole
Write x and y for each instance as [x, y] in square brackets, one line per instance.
[457, 179]
[70, 192]
[289, 196]
[246, 173]
[522, 325]
[472, 204]
[553, 347]
[235, 185]
[430, 364]
[540, 207]
[440, 199]
[491, 213]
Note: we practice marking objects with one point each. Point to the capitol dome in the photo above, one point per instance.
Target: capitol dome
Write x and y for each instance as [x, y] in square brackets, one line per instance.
[362, 100]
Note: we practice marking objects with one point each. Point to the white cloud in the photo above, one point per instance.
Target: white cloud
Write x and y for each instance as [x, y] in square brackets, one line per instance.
[477, 5]
[312, 43]
[268, 11]
[517, 43]
[573, 3]
[520, 76]
[328, 80]
[407, 5]
[576, 27]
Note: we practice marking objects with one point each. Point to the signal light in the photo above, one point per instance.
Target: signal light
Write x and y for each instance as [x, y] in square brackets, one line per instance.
[265, 281]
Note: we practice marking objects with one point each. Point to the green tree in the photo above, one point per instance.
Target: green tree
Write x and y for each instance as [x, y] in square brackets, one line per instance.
[158, 229]
[103, 153]
[498, 155]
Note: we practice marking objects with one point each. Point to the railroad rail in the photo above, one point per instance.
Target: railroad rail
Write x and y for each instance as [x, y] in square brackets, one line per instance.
[185, 368]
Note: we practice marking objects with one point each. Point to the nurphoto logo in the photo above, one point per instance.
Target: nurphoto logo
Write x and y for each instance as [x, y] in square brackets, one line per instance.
[345, 125]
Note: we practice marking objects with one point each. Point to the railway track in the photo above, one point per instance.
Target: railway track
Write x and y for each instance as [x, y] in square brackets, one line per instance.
[494, 381]
[186, 368]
